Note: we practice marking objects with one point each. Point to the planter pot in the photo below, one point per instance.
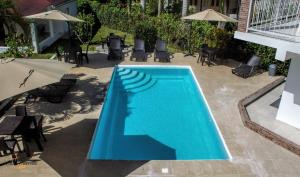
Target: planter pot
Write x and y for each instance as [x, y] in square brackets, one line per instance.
[272, 69]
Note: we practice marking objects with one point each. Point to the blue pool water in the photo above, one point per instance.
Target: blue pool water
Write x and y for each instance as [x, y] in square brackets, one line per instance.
[155, 113]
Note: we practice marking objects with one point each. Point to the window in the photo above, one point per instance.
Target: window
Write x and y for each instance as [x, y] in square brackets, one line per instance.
[67, 10]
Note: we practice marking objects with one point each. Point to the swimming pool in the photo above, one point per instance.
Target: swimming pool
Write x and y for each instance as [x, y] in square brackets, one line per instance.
[156, 113]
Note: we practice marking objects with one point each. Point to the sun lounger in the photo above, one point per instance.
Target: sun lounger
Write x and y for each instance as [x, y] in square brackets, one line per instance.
[246, 70]
[160, 51]
[139, 52]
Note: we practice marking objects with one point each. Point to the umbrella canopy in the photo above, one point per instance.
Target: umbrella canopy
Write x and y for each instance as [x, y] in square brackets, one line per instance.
[54, 15]
[209, 15]
[21, 75]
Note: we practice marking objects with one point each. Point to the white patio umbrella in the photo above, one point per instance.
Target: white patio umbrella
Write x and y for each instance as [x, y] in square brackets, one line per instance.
[54, 15]
[21, 75]
[207, 15]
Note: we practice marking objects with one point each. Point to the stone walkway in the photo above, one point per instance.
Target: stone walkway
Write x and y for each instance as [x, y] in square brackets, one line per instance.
[70, 126]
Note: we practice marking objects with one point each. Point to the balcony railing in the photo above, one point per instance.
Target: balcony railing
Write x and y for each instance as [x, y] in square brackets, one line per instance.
[277, 17]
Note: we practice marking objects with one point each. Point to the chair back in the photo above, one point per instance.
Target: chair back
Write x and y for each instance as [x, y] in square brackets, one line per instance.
[160, 45]
[254, 61]
[3, 145]
[139, 44]
[204, 46]
[115, 43]
[21, 111]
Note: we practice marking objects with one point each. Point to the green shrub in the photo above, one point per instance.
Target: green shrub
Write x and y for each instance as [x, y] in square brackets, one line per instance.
[18, 46]
[148, 33]
[217, 38]
[169, 28]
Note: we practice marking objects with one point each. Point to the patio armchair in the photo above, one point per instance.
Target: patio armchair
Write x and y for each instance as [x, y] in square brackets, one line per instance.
[8, 145]
[160, 51]
[115, 49]
[246, 70]
[139, 52]
[38, 119]
[202, 53]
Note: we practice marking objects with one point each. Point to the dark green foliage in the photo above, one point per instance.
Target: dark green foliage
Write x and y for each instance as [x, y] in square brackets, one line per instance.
[18, 46]
[148, 33]
[169, 27]
[85, 8]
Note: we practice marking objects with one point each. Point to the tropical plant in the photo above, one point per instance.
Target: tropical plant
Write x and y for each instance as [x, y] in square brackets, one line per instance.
[147, 32]
[84, 31]
[9, 18]
[18, 46]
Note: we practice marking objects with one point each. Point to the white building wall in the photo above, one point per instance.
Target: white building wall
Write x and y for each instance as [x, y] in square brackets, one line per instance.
[59, 27]
[289, 109]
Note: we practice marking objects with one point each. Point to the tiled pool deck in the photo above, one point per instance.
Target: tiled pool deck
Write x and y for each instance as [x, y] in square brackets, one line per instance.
[71, 124]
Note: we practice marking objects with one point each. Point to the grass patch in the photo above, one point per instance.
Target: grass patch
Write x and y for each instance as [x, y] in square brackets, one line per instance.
[104, 31]
[41, 55]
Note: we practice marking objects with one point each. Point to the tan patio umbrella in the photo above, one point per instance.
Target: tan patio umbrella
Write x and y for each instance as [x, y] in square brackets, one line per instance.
[209, 15]
[21, 75]
[54, 15]
[206, 15]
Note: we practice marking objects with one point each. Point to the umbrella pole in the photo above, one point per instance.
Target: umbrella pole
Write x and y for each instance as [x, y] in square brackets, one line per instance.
[189, 41]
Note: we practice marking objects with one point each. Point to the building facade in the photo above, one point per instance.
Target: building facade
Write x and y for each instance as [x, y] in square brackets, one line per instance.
[43, 33]
[276, 24]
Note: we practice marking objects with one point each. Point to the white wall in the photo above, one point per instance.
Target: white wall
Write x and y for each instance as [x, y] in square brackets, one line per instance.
[59, 27]
[289, 109]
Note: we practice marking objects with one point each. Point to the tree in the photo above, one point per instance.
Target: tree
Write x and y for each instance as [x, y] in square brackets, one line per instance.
[185, 7]
[84, 31]
[9, 18]
[159, 7]
[143, 4]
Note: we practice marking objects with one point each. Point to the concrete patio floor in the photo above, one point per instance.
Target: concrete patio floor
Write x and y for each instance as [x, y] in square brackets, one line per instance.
[70, 126]
[264, 110]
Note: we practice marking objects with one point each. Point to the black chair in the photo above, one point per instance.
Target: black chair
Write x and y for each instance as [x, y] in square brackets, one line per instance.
[115, 49]
[202, 53]
[246, 70]
[38, 120]
[8, 145]
[161, 52]
[139, 52]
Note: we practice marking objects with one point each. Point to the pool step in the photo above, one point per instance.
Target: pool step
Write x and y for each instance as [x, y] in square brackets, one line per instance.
[133, 81]
[144, 87]
[128, 76]
[141, 83]
[123, 71]
[136, 79]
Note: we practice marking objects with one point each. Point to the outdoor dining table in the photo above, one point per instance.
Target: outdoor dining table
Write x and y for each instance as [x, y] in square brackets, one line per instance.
[11, 126]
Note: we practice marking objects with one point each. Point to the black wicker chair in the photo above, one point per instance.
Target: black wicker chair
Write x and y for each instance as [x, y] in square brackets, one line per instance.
[8, 145]
[115, 49]
[139, 52]
[160, 52]
[38, 120]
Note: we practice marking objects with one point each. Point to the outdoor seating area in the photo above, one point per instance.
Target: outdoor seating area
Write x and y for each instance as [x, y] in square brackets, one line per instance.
[82, 104]
[149, 88]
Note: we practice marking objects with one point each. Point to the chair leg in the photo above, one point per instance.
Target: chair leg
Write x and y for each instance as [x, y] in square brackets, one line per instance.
[38, 143]
[42, 134]
[14, 157]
